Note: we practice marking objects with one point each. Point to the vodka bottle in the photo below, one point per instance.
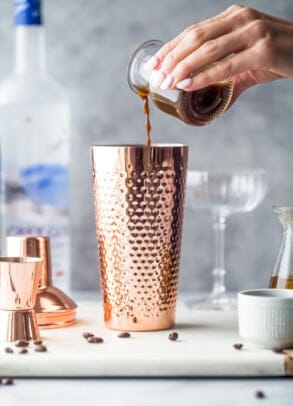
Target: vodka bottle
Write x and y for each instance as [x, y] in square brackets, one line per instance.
[34, 132]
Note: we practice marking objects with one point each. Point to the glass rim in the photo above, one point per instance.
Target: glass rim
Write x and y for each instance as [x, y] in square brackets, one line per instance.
[148, 43]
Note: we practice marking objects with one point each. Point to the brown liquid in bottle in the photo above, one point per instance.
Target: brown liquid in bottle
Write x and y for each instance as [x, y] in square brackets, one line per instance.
[143, 93]
[280, 283]
[195, 108]
[199, 107]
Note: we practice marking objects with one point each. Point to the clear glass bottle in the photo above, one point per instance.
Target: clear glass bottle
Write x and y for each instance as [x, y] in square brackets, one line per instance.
[282, 277]
[197, 107]
[34, 131]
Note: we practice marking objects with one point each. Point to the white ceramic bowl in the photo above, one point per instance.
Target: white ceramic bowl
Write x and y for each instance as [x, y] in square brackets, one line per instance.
[266, 317]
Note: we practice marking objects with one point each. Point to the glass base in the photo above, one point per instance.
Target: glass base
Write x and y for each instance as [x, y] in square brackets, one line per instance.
[214, 302]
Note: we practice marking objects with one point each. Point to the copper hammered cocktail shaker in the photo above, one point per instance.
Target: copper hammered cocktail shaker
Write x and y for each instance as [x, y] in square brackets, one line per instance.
[139, 195]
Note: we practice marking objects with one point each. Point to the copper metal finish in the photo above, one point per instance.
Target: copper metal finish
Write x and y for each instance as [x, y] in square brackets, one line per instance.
[53, 307]
[139, 195]
[18, 289]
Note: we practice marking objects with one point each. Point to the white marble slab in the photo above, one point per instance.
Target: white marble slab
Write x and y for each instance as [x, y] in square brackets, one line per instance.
[205, 348]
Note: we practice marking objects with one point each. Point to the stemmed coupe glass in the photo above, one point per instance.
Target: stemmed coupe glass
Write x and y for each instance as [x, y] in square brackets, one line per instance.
[223, 194]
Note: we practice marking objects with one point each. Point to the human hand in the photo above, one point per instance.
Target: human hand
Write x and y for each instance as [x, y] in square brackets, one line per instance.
[241, 43]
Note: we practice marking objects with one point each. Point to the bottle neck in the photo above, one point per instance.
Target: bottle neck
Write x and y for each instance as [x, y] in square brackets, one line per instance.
[30, 49]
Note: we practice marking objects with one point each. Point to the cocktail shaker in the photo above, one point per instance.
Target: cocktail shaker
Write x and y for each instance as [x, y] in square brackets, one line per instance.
[139, 195]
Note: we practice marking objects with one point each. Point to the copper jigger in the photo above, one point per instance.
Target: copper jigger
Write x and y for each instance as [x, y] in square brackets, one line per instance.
[139, 195]
[53, 308]
[18, 289]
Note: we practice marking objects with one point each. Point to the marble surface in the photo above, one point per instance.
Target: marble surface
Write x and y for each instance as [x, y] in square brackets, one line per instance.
[89, 44]
[204, 348]
[146, 392]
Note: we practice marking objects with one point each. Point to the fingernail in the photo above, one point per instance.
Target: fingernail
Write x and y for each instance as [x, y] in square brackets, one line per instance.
[167, 82]
[156, 78]
[184, 83]
[151, 63]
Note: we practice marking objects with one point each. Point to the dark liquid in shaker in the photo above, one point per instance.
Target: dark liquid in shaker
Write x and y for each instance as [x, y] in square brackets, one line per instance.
[143, 93]
[280, 283]
[199, 107]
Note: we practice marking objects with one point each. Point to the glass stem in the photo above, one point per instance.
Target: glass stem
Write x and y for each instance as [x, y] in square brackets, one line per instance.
[219, 225]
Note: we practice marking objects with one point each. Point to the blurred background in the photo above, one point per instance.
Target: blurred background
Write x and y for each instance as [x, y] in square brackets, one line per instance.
[89, 44]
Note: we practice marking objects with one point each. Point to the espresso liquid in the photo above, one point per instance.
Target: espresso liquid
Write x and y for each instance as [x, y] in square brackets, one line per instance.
[280, 283]
[143, 94]
[199, 107]
[146, 109]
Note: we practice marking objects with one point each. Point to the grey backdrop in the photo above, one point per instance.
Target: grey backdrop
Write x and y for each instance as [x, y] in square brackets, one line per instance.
[89, 44]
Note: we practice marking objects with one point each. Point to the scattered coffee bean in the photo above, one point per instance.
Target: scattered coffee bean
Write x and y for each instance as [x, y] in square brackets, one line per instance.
[87, 335]
[124, 335]
[134, 319]
[21, 343]
[173, 336]
[40, 348]
[95, 340]
[38, 342]
[278, 350]
[9, 350]
[238, 346]
[6, 381]
[23, 351]
[259, 394]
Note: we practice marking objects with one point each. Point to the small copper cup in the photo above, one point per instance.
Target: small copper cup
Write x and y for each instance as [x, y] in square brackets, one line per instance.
[19, 278]
[139, 195]
[54, 308]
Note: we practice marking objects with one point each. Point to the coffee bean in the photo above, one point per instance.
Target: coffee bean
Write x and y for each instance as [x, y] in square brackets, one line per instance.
[6, 381]
[38, 342]
[259, 394]
[134, 319]
[87, 335]
[21, 343]
[124, 335]
[238, 346]
[173, 336]
[278, 350]
[9, 350]
[41, 348]
[23, 351]
[95, 340]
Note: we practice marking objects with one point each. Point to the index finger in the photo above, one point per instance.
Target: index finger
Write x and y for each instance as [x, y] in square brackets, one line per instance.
[156, 61]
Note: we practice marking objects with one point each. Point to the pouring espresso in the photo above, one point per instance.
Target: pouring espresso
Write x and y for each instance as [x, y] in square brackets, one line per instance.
[198, 108]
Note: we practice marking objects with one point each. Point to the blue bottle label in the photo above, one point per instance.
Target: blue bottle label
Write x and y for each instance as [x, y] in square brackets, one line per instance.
[27, 12]
[46, 184]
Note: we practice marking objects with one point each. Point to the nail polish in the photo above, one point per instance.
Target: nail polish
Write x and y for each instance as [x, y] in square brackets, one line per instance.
[184, 84]
[167, 82]
[156, 78]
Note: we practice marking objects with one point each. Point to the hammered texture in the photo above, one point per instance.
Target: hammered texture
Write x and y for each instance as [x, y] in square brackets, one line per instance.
[139, 210]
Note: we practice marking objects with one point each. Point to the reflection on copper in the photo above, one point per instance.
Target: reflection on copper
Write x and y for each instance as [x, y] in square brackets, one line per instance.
[139, 195]
[53, 307]
[19, 279]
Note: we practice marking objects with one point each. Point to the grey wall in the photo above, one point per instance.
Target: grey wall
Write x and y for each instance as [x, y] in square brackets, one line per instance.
[89, 44]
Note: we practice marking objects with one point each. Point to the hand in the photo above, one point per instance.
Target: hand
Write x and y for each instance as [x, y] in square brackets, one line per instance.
[241, 43]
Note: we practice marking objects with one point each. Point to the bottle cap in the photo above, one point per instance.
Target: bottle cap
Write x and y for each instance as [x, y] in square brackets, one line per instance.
[27, 12]
[53, 307]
